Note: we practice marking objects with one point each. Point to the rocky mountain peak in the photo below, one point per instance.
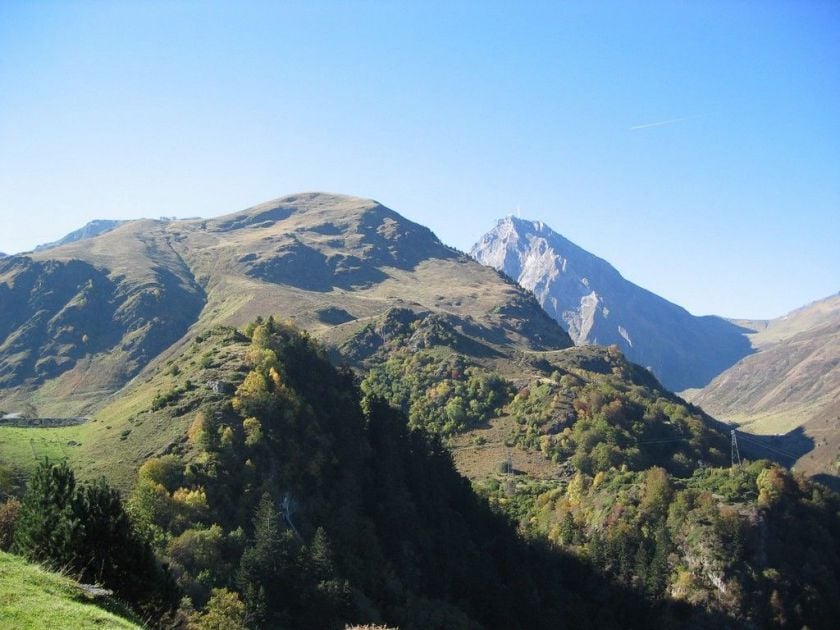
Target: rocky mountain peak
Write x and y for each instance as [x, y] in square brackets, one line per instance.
[597, 305]
[551, 266]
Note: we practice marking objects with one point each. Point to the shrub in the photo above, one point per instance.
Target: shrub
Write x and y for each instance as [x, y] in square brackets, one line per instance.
[224, 611]
[8, 517]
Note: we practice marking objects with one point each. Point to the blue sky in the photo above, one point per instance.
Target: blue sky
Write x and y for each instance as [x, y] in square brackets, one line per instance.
[454, 114]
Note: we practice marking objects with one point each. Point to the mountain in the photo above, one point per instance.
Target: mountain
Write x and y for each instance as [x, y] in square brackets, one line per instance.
[598, 306]
[94, 228]
[790, 387]
[189, 363]
[80, 320]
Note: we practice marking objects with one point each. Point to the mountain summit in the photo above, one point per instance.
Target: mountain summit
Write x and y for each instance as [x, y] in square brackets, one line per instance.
[80, 320]
[598, 306]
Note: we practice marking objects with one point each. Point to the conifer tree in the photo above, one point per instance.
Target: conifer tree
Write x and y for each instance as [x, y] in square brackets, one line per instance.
[85, 530]
[48, 529]
[269, 575]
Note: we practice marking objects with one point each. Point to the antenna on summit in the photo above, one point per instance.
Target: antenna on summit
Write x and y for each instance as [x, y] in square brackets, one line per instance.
[518, 212]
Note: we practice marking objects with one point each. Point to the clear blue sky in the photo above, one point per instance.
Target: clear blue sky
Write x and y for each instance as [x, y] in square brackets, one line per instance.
[454, 114]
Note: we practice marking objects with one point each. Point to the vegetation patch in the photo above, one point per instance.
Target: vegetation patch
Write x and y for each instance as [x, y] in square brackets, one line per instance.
[26, 448]
[33, 598]
[441, 393]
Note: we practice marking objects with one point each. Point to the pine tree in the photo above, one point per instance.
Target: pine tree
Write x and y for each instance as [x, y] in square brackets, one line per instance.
[269, 570]
[48, 529]
[567, 529]
[657, 577]
[110, 551]
[105, 533]
[321, 554]
[331, 594]
[85, 530]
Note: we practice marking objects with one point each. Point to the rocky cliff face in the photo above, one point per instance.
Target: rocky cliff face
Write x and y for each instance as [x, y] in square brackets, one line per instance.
[597, 305]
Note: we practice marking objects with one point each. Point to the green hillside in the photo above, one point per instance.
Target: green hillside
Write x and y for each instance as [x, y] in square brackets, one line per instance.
[590, 453]
[79, 321]
[371, 520]
[34, 598]
[250, 445]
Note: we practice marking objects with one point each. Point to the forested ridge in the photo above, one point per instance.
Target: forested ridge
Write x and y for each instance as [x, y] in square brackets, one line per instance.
[301, 498]
[644, 490]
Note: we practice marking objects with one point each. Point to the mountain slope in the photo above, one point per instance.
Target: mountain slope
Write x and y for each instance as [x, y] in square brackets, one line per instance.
[238, 414]
[792, 382]
[78, 321]
[599, 306]
[94, 228]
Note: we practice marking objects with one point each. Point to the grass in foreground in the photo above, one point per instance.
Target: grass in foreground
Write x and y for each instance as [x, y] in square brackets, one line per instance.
[32, 597]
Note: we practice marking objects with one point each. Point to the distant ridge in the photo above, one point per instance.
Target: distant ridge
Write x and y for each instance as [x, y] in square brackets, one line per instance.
[598, 306]
[94, 228]
[790, 387]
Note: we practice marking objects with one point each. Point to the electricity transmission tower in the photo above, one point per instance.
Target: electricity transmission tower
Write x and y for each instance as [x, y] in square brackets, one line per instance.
[735, 455]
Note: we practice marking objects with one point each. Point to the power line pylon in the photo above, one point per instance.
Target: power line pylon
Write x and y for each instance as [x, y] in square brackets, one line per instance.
[735, 455]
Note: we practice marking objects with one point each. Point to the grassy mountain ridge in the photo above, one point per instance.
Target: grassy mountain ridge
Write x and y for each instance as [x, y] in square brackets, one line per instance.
[141, 286]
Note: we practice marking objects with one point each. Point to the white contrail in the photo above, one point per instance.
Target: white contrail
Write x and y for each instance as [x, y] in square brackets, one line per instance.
[660, 123]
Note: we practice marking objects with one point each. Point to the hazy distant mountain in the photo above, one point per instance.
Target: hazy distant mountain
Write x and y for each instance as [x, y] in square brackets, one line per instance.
[598, 306]
[94, 228]
[77, 321]
[793, 380]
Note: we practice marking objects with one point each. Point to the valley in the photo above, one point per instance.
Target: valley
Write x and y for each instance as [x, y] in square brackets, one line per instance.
[789, 388]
